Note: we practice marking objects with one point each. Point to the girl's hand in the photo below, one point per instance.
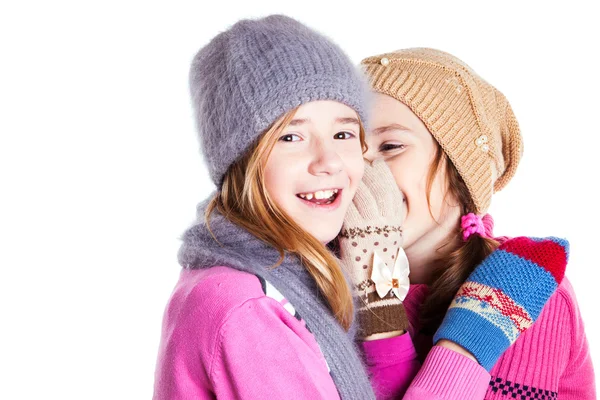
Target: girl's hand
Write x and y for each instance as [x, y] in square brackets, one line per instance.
[504, 296]
[372, 235]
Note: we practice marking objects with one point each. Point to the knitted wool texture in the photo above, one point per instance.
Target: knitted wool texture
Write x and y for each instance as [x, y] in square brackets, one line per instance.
[373, 225]
[504, 296]
[238, 249]
[252, 74]
[470, 119]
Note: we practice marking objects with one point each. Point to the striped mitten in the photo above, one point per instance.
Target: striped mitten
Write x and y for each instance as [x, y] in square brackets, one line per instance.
[504, 296]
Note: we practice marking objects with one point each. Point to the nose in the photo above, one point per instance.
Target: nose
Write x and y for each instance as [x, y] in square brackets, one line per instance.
[371, 154]
[326, 161]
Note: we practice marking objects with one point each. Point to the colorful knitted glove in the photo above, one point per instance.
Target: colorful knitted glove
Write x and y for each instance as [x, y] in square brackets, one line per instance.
[371, 239]
[504, 296]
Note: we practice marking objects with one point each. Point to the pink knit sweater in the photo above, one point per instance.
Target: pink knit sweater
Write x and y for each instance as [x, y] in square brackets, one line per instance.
[550, 360]
[223, 337]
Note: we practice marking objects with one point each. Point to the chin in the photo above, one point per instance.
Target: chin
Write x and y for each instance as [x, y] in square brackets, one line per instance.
[325, 236]
[324, 232]
[407, 238]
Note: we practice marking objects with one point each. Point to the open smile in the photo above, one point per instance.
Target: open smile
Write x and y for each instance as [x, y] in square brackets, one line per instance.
[326, 197]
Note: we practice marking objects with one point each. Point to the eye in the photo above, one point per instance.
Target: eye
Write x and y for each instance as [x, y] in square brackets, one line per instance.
[391, 146]
[290, 137]
[343, 135]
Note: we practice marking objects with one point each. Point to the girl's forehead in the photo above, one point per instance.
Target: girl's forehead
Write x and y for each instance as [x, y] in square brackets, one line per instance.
[324, 109]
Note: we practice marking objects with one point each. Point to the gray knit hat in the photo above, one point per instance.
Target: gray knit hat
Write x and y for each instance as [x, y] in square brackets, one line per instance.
[256, 71]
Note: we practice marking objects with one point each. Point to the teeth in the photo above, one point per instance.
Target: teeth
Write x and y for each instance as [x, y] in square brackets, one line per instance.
[323, 194]
[319, 195]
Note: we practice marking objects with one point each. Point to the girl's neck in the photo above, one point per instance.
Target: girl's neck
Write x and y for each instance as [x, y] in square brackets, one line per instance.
[424, 255]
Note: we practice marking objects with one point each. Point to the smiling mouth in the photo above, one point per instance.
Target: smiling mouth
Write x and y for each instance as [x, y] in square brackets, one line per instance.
[320, 197]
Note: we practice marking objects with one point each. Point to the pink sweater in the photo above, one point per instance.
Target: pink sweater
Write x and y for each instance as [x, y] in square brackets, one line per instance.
[223, 337]
[550, 360]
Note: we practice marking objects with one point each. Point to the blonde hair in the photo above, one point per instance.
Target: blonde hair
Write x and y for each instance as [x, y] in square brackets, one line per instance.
[244, 201]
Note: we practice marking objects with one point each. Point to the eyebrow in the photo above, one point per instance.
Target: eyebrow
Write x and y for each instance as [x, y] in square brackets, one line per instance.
[350, 120]
[344, 121]
[298, 121]
[390, 127]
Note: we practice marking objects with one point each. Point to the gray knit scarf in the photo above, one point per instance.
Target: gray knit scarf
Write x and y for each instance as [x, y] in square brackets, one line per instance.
[242, 251]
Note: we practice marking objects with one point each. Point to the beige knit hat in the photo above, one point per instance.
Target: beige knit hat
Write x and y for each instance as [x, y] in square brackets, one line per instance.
[471, 120]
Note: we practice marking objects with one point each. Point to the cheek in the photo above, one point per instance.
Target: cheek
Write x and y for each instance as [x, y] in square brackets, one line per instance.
[372, 146]
[410, 175]
[354, 165]
[277, 179]
[438, 195]
[407, 174]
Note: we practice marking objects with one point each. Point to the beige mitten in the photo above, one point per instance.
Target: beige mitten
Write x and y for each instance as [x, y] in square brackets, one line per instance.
[371, 251]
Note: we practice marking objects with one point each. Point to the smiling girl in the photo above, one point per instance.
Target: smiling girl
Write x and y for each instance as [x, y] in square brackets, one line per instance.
[262, 309]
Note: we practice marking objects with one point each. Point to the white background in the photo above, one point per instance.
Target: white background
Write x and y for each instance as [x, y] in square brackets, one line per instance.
[100, 170]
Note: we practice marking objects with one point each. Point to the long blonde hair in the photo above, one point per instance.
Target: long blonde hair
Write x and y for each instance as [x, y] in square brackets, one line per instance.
[244, 200]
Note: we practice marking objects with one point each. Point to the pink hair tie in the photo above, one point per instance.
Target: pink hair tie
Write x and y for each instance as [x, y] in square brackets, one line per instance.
[472, 224]
[488, 224]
